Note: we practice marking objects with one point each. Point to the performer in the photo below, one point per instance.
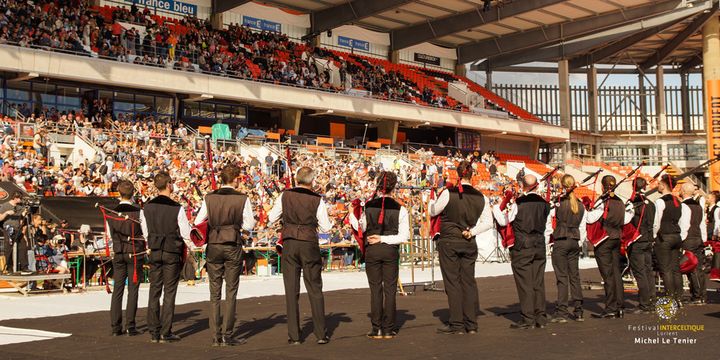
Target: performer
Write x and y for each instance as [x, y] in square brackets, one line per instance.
[694, 241]
[385, 225]
[166, 227]
[228, 211]
[612, 215]
[569, 230]
[128, 259]
[303, 213]
[530, 218]
[639, 253]
[713, 229]
[669, 223]
[465, 213]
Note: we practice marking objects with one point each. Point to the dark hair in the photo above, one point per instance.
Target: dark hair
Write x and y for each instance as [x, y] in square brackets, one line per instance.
[640, 184]
[608, 181]
[229, 173]
[386, 182]
[162, 180]
[667, 180]
[17, 195]
[464, 170]
[126, 189]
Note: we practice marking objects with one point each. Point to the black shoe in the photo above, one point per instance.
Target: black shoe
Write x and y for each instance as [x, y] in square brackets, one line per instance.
[389, 334]
[154, 338]
[375, 334]
[294, 342]
[695, 302]
[132, 332]
[228, 341]
[579, 317]
[639, 311]
[164, 339]
[620, 314]
[447, 330]
[540, 325]
[472, 332]
[323, 341]
[217, 342]
[116, 333]
[559, 320]
[606, 315]
[519, 325]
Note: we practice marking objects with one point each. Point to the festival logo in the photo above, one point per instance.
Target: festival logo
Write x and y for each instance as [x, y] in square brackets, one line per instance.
[666, 308]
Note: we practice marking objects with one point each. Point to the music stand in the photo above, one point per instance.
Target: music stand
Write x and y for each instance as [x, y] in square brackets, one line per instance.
[498, 253]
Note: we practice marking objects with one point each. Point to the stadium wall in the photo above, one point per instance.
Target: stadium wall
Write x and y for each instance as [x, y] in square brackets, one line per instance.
[111, 73]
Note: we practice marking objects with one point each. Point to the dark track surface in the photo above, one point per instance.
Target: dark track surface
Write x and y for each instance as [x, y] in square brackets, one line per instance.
[262, 322]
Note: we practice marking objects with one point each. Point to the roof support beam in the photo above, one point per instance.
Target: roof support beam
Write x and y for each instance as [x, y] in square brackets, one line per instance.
[420, 33]
[346, 12]
[560, 32]
[696, 61]
[689, 31]
[221, 6]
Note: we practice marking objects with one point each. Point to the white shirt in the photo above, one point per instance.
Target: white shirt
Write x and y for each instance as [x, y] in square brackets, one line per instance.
[403, 227]
[248, 217]
[506, 217]
[324, 222]
[684, 218]
[183, 225]
[582, 227]
[484, 222]
[685, 222]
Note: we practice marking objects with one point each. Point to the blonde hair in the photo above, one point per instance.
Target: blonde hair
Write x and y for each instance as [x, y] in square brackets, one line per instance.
[568, 181]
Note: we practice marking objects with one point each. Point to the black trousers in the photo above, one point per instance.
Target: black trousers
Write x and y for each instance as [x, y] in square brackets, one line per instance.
[698, 290]
[565, 256]
[607, 255]
[124, 269]
[223, 262]
[667, 251]
[164, 277]
[528, 266]
[189, 269]
[641, 264]
[22, 257]
[303, 256]
[381, 267]
[457, 264]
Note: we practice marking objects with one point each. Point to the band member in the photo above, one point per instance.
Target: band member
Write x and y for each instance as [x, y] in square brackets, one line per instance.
[385, 225]
[612, 216]
[569, 231]
[16, 259]
[228, 211]
[529, 217]
[694, 241]
[166, 227]
[713, 214]
[303, 212]
[128, 259]
[667, 228]
[640, 252]
[465, 212]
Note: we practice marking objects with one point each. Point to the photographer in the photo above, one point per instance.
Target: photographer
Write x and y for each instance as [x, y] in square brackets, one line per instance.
[10, 215]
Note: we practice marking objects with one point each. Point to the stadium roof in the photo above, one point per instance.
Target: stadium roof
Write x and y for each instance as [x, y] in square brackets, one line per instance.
[644, 33]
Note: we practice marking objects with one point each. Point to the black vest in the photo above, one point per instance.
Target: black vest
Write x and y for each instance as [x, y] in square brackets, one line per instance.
[225, 208]
[670, 220]
[694, 235]
[126, 232]
[391, 220]
[530, 222]
[567, 223]
[645, 225]
[461, 212]
[614, 220]
[299, 214]
[161, 214]
[711, 221]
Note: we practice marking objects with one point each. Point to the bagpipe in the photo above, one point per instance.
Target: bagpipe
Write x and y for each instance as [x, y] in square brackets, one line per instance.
[506, 232]
[596, 233]
[109, 214]
[198, 234]
[715, 263]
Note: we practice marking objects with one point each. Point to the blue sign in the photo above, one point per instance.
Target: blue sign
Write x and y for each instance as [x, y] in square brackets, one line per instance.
[260, 24]
[167, 5]
[353, 43]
